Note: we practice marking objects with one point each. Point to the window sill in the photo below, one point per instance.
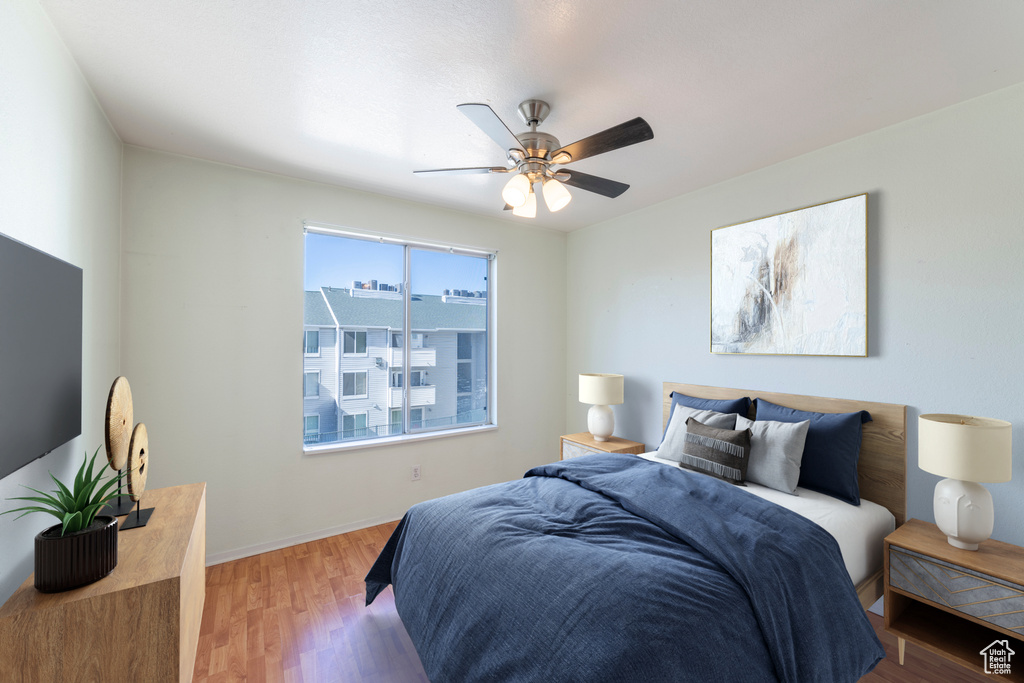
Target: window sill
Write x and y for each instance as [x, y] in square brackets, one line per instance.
[393, 440]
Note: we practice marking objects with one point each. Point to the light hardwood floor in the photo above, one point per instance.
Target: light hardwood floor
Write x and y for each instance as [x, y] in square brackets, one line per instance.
[297, 615]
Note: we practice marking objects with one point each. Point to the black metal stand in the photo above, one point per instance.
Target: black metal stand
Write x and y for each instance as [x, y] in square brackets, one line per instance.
[137, 518]
[119, 506]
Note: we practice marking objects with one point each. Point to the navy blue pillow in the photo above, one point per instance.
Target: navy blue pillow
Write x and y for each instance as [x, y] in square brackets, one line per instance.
[829, 464]
[738, 405]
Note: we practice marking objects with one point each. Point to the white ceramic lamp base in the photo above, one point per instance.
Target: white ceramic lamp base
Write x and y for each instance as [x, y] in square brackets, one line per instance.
[964, 512]
[600, 422]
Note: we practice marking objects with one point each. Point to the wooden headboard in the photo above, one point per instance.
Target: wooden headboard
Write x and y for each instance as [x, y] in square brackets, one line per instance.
[882, 467]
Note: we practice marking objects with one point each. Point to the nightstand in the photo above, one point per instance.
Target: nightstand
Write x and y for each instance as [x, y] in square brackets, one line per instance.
[952, 602]
[575, 445]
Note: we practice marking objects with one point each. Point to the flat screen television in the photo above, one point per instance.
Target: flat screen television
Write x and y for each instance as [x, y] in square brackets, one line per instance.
[40, 354]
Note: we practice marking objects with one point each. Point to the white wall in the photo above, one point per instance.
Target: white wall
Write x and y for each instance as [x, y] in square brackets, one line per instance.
[60, 179]
[212, 323]
[945, 242]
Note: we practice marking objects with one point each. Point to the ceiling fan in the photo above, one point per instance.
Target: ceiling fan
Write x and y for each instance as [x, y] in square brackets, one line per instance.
[533, 154]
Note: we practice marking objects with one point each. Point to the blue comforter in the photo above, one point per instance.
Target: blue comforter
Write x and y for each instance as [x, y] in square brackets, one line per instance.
[613, 568]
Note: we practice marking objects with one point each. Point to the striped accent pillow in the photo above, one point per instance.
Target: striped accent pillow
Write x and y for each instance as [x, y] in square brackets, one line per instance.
[722, 453]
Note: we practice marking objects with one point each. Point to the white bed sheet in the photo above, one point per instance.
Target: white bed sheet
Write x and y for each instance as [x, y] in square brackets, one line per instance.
[859, 530]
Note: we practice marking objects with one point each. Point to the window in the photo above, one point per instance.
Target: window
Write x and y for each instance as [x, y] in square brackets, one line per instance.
[353, 384]
[355, 342]
[465, 342]
[311, 384]
[414, 324]
[353, 426]
[310, 428]
[312, 342]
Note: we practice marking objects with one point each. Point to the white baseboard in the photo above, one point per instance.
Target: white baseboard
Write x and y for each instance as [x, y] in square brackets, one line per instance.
[249, 551]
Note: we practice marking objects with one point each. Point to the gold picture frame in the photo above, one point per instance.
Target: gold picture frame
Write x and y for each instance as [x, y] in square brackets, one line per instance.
[794, 283]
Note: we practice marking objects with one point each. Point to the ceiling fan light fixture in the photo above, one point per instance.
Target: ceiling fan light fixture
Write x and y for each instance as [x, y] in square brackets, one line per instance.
[517, 190]
[528, 208]
[555, 195]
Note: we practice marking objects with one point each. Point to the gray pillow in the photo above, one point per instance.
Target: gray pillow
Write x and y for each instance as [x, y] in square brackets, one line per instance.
[776, 449]
[675, 436]
[722, 453]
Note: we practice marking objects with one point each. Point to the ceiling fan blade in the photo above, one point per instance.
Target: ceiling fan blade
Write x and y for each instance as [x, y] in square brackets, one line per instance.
[464, 171]
[489, 122]
[593, 183]
[622, 135]
[508, 207]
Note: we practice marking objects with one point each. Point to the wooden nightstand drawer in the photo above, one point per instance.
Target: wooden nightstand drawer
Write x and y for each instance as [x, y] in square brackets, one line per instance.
[575, 450]
[995, 601]
[575, 445]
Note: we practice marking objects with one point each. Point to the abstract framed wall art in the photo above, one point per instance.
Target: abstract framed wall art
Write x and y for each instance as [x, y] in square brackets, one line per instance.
[792, 284]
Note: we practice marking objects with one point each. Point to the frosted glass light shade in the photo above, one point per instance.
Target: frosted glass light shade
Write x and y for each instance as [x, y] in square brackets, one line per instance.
[516, 190]
[601, 389]
[529, 207]
[555, 195]
[963, 447]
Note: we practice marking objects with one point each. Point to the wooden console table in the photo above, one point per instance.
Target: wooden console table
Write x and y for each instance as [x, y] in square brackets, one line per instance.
[140, 623]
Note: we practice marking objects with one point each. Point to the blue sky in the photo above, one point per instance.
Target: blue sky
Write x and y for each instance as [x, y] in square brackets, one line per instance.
[337, 261]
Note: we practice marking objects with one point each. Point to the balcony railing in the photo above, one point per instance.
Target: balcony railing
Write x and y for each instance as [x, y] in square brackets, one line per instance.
[424, 395]
[421, 358]
[473, 416]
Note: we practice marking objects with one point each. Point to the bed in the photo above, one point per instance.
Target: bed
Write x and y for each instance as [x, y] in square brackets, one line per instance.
[615, 567]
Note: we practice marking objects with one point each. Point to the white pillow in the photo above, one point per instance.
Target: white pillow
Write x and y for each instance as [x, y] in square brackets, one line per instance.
[776, 450]
[671, 447]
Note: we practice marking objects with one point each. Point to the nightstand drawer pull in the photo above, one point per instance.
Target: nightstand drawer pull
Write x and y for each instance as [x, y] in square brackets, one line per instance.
[1000, 603]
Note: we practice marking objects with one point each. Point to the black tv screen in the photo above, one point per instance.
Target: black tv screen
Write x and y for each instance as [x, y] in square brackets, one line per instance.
[40, 354]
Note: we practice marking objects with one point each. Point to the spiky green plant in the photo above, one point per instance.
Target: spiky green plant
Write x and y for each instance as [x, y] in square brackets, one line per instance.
[76, 507]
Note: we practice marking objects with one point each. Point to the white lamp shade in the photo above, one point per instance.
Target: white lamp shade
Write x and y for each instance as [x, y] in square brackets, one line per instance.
[529, 207]
[601, 389]
[555, 195]
[516, 190]
[963, 447]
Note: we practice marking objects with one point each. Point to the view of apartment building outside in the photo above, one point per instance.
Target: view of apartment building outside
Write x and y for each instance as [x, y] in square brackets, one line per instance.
[355, 376]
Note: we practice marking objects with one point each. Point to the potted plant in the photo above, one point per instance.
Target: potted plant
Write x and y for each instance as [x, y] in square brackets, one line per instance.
[82, 548]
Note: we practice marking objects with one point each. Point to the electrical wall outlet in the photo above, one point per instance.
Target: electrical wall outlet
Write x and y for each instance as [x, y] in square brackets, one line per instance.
[415, 472]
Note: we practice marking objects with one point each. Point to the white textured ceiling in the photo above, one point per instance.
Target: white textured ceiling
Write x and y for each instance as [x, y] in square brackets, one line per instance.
[362, 92]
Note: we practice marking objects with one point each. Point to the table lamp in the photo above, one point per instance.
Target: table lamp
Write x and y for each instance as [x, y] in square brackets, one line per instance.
[966, 450]
[601, 391]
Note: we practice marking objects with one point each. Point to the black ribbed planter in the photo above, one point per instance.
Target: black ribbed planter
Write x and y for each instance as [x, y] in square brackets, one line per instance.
[78, 559]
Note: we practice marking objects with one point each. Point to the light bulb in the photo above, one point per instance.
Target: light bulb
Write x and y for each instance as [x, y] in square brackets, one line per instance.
[529, 207]
[516, 190]
[555, 195]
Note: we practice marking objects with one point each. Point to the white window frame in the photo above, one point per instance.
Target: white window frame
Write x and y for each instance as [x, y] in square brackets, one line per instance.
[310, 372]
[305, 342]
[355, 354]
[366, 385]
[491, 409]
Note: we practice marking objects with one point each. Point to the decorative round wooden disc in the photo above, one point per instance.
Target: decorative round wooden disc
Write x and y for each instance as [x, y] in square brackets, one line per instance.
[138, 462]
[119, 423]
